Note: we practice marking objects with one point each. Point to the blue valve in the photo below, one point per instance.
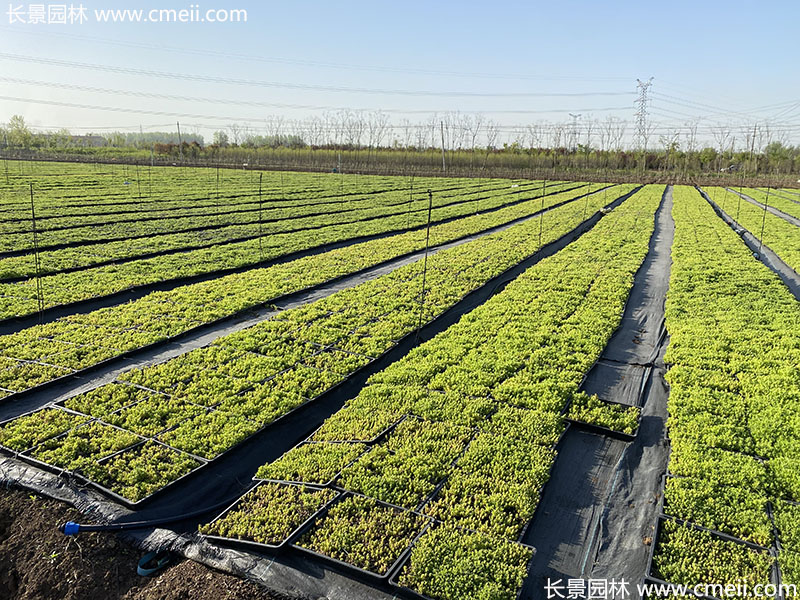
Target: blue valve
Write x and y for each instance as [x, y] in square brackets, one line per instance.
[71, 528]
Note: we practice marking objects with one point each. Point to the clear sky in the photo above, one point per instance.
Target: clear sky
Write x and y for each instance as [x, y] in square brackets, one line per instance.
[515, 62]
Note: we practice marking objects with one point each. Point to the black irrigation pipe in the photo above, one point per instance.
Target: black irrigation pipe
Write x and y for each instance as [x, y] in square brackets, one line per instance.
[342, 210]
[15, 324]
[766, 256]
[233, 471]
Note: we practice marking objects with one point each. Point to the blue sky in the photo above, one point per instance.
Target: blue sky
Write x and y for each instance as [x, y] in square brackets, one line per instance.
[708, 60]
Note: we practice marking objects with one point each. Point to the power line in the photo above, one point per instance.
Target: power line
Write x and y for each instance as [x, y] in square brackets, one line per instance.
[298, 86]
[312, 63]
[156, 95]
[163, 113]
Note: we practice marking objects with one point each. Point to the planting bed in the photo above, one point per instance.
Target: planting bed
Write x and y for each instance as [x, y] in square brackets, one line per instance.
[734, 396]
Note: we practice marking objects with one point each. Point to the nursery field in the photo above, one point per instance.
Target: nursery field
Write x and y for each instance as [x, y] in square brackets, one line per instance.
[401, 428]
[118, 239]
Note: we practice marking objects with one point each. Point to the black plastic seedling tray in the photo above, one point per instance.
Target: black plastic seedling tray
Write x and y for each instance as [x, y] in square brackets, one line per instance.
[651, 576]
[415, 595]
[664, 512]
[370, 442]
[27, 457]
[359, 572]
[607, 431]
[262, 546]
[331, 483]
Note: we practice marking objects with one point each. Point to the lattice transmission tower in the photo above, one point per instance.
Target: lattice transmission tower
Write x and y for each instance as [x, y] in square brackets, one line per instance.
[642, 131]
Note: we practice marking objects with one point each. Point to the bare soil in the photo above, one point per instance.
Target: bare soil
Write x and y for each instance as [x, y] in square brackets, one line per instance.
[37, 562]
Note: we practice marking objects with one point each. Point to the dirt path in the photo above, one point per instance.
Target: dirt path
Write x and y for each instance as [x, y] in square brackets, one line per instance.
[37, 562]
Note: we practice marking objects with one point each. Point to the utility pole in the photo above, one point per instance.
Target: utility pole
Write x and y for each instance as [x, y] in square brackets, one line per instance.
[763, 220]
[753, 145]
[541, 213]
[150, 170]
[741, 182]
[641, 117]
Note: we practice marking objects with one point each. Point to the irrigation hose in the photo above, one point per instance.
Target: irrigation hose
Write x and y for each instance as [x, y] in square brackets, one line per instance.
[73, 528]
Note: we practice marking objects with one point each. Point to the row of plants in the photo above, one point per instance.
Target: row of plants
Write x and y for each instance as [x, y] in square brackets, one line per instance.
[89, 189]
[483, 400]
[780, 236]
[80, 341]
[734, 400]
[126, 241]
[181, 213]
[208, 400]
[774, 200]
[19, 298]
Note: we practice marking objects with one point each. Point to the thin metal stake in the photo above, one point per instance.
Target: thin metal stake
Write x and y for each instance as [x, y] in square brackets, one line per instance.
[37, 264]
[541, 213]
[260, 222]
[425, 262]
[763, 221]
[410, 198]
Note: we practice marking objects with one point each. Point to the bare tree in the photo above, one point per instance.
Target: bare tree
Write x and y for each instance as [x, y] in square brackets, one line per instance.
[236, 133]
[492, 131]
[535, 131]
[591, 124]
[557, 135]
[691, 135]
[721, 133]
[615, 129]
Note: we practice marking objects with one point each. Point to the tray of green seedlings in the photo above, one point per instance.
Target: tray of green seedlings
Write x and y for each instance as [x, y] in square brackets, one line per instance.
[406, 469]
[729, 510]
[346, 426]
[317, 463]
[787, 525]
[137, 474]
[683, 553]
[362, 535]
[472, 497]
[604, 417]
[268, 516]
[450, 563]
[19, 378]
[25, 432]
